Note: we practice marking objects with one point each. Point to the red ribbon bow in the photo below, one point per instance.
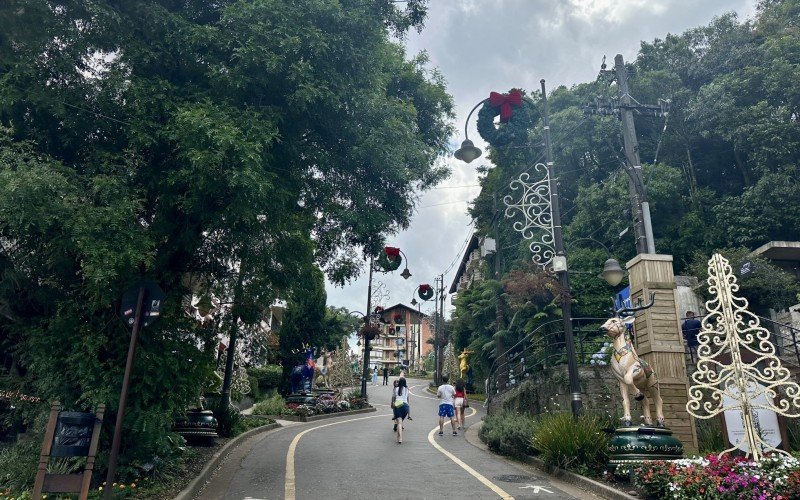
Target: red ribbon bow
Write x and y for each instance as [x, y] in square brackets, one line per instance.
[392, 253]
[505, 102]
[424, 288]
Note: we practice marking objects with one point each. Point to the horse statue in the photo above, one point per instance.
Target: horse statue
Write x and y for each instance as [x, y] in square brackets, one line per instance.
[631, 371]
[323, 368]
[301, 378]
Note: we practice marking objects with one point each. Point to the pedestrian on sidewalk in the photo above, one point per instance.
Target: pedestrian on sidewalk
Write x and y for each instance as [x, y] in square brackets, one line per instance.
[403, 376]
[400, 407]
[461, 402]
[446, 393]
[375, 376]
[385, 375]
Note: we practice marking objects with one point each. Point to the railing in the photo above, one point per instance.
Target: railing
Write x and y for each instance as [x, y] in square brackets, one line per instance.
[543, 348]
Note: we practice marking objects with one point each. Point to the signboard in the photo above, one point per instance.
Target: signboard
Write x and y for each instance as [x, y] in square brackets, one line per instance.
[765, 421]
[747, 269]
[151, 308]
[623, 298]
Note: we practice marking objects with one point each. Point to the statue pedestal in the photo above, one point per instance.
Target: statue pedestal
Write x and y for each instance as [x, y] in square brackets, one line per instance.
[631, 446]
[659, 341]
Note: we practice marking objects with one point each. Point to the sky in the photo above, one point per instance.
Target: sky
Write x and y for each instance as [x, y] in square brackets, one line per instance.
[495, 45]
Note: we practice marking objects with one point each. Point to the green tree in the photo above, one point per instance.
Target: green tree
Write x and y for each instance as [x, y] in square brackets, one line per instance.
[224, 146]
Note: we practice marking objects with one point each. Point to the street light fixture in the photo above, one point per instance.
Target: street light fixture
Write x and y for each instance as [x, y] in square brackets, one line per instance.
[612, 272]
[541, 210]
[405, 274]
[467, 152]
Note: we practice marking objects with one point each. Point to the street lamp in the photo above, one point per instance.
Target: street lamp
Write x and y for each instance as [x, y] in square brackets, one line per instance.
[426, 293]
[612, 271]
[540, 207]
[391, 253]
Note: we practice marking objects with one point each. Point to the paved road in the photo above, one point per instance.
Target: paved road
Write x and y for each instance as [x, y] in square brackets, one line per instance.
[356, 457]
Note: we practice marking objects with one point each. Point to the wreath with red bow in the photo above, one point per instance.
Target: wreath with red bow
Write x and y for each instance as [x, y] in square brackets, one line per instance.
[517, 118]
[425, 292]
[390, 259]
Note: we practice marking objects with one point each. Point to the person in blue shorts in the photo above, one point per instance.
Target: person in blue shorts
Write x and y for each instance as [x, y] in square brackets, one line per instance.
[447, 394]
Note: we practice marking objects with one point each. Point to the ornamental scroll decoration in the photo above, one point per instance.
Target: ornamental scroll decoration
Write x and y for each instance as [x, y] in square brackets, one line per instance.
[536, 208]
[731, 331]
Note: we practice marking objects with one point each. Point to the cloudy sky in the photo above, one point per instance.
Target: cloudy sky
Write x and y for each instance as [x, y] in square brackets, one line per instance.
[494, 45]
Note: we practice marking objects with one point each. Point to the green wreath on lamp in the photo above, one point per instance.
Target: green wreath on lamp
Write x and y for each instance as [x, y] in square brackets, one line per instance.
[389, 265]
[425, 292]
[513, 131]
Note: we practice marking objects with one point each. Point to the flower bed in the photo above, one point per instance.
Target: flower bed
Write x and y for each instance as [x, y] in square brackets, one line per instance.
[776, 477]
[325, 404]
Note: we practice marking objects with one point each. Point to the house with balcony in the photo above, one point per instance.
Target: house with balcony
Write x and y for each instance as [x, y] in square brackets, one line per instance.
[403, 340]
[472, 268]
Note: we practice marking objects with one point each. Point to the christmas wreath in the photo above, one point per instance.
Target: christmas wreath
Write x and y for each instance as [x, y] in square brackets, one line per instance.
[425, 292]
[516, 118]
[390, 259]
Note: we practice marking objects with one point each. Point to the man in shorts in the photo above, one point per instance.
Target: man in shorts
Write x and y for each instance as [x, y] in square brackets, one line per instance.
[447, 394]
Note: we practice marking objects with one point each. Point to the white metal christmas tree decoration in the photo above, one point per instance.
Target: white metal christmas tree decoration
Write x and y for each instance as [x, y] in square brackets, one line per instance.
[450, 367]
[737, 367]
[341, 373]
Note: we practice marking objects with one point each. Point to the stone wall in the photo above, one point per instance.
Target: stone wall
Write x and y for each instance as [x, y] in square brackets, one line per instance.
[548, 390]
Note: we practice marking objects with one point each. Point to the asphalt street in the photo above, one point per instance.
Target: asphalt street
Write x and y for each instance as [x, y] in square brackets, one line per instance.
[356, 456]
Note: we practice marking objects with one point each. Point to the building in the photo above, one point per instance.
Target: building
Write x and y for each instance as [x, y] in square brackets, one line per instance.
[472, 268]
[404, 339]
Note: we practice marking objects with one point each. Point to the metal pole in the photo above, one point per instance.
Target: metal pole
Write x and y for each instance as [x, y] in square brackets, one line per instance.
[441, 311]
[123, 396]
[365, 373]
[498, 308]
[642, 225]
[436, 335]
[563, 276]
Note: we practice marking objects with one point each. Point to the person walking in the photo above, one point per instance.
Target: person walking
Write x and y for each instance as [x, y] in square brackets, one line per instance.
[385, 375]
[400, 407]
[375, 376]
[446, 393]
[460, 402]
[690, 328]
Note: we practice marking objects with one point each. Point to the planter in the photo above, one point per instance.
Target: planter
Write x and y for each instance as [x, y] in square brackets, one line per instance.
[633, 445]
[196, 424]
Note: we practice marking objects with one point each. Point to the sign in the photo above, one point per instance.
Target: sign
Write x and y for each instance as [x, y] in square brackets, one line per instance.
[623, 298]
[151, 308]
[765, 421]
[748, 267]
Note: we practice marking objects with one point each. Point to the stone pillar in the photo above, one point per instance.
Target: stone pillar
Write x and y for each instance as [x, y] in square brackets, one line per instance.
[658, 339]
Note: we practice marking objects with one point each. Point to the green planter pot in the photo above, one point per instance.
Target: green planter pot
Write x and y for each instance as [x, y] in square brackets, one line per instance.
[633, 445]
[196, 424]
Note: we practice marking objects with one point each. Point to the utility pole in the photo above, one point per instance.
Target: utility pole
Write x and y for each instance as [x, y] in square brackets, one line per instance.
[563, 275]
[441, 310]
[367, 322]
[500, 344]
[624, 108]
[436, 335]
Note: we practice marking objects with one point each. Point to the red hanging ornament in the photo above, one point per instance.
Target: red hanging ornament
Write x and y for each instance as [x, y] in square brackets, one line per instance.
[392, 253]
[398, 318]
[505, 102]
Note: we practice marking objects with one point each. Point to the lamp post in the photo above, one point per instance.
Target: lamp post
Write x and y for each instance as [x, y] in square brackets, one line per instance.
[427, 293]
[392, 253]
[541, 209]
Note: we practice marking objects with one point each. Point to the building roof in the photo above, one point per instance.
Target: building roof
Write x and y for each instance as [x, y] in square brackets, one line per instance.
[780, 250]
[403, 306]
[472, 245]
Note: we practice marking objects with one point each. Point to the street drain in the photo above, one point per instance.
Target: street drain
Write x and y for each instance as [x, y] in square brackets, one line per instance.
[512, 478]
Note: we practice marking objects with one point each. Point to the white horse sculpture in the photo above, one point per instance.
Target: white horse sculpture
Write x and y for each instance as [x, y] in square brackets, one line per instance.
[323, 368]
[631, 371]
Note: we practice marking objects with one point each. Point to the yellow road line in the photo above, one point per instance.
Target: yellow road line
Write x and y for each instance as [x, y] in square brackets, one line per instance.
[477, 475]
[289, 479]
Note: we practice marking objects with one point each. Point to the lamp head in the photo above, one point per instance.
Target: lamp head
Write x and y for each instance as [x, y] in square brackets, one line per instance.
[467, 152]
[414, 301]
[405, 274]
[612, 272]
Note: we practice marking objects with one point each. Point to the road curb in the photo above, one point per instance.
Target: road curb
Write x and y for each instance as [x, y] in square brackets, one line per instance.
[582, 481]
[314, 418]
[197, 484]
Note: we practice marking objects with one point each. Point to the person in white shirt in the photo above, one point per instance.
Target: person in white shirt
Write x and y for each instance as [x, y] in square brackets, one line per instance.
[447, 394]
[400, 407]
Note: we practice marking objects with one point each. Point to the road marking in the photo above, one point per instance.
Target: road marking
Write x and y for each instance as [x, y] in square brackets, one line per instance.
[477, 475]
[535, 488]
[289, 479]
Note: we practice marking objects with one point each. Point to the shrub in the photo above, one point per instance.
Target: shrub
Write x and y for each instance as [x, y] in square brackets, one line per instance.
[709, 436]
[227, 420]
[577, 444]
[271, 406]
[508, 434]
[255, 391]
[269, 377]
